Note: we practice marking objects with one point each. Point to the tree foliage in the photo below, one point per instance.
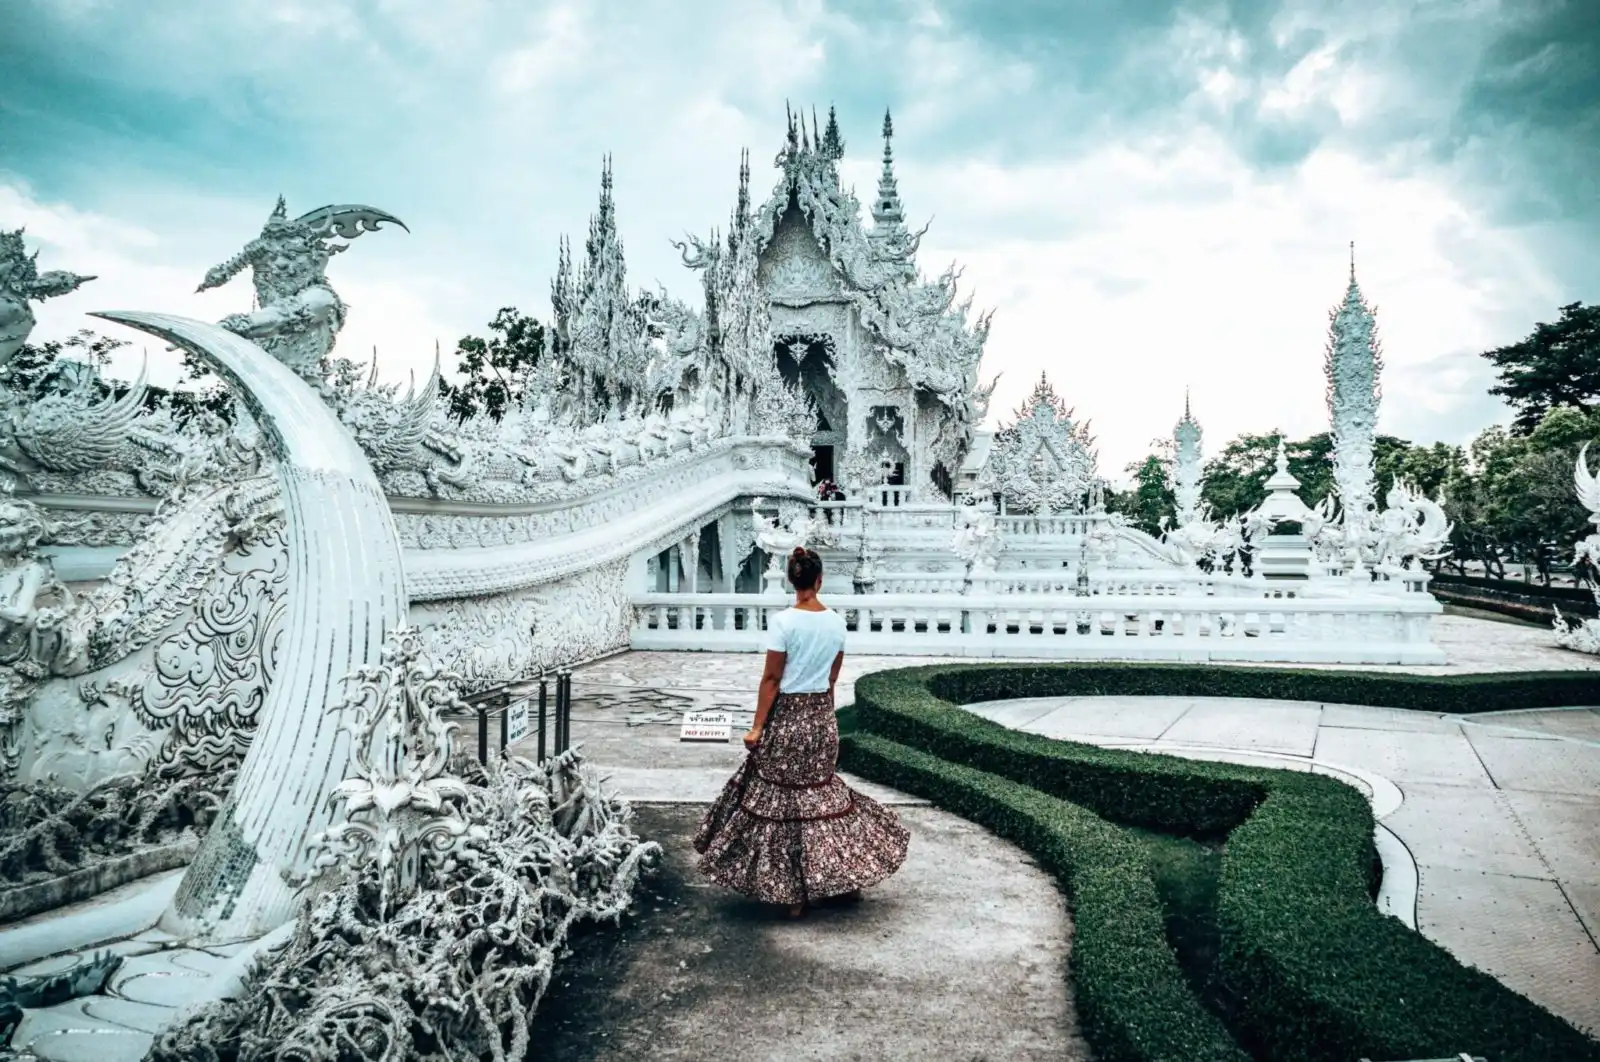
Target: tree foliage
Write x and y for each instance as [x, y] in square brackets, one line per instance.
[1557, 365]
[1149, 504]
[495, 371]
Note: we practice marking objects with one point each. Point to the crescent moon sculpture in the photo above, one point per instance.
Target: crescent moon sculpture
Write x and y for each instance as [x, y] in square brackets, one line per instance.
[346, 591]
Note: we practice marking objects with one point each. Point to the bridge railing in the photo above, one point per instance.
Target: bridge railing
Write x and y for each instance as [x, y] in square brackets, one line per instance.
[1376, 630]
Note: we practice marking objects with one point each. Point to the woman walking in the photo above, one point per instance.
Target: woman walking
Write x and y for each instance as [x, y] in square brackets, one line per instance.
[786, 829]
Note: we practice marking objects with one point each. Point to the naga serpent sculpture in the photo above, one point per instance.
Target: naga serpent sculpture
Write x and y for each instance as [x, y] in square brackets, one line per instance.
[346, 591]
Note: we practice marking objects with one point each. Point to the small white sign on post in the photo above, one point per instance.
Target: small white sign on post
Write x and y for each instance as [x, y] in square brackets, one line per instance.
[706, 726]
[517, 724]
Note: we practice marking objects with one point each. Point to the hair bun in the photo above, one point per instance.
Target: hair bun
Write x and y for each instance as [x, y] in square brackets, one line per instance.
[799, 552]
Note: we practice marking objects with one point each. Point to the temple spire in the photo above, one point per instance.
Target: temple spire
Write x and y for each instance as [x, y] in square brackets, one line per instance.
[1187, 474]
[832, 139]
[887, 211]
[1353, 364]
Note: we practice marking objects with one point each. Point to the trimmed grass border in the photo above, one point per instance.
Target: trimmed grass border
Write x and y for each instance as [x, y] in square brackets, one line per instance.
[1317, 972]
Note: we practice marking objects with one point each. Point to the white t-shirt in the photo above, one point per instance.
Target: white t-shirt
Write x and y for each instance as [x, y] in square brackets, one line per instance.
[811, 640]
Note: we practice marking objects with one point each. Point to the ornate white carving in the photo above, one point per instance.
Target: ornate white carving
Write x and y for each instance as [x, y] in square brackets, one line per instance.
[21, 283]
[401, 809]
[298, 313]
[1042, 463]
[1186, 472]
[977, 538]
[1584, 635]
[489, 641]
[1411, 529]
[1352, 364]
[347, 593]
[430, 847]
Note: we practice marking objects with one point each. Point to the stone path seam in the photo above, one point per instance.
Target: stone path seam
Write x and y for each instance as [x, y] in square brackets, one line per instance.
[1180, 717]
[1566, 895]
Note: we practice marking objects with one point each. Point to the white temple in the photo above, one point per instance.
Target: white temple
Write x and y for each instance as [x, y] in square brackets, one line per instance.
[183, 594]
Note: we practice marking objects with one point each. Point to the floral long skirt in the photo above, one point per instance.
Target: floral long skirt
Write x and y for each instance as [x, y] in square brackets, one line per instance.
[786, 829]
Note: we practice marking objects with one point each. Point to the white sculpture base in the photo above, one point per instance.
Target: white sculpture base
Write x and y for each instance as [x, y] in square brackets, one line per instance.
[1284, 557]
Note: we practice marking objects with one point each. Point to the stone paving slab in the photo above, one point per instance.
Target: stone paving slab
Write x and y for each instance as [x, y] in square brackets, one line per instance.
[1581, 724]
[1537, 766]
[1436, 759]
[1288, 728]
[1466, 829]
[1564, 828]
[1585, 899]
[1520, 930]
[1109, 717]
[1366, 718]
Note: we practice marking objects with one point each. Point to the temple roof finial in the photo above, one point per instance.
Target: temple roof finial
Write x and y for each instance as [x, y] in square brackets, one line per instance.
[888, 128]
[1186, 400]
[1352, 261]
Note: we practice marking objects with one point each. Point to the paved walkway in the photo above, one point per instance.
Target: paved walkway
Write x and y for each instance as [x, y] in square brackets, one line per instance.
[960, 955]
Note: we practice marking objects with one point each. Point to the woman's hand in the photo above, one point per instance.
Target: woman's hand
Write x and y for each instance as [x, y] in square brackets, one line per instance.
[752, 738]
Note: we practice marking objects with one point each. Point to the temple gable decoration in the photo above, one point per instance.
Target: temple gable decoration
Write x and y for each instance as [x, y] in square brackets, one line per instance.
[1044, 462]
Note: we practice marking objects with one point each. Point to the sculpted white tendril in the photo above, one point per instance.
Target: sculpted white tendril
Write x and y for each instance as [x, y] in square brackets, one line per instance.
[438, 909]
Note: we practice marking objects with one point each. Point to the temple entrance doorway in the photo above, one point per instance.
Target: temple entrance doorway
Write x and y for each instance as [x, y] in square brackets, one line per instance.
[808, 361]
[822, 463]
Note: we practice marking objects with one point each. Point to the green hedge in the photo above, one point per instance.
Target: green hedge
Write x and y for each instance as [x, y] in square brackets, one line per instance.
[1422, 693]
[1316, 972]
[1133, 1003]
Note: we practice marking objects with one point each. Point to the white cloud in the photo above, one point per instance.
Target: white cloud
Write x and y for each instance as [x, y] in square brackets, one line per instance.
[1128, 266]
[1229, 295]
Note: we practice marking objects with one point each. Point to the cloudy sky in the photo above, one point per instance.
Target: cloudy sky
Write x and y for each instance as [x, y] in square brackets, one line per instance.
[1151, 195]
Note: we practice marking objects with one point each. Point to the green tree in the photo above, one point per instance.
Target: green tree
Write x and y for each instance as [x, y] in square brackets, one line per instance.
[495, 371]
[1557, 365]
[1149, 505]
[1512, 500]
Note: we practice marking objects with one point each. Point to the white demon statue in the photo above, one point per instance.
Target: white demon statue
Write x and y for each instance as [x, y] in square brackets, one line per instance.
[1584, 636]
[22, 283]
[778, 539]
[1411, 529]
[1222, 543]
[298, 314]
[977, 536]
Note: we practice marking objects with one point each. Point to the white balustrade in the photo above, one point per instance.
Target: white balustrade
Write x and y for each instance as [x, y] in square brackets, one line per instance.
[1133, 627]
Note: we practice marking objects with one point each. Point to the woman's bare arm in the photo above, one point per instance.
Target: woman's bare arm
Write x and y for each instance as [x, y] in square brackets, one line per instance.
[771, 676]
[833, 675]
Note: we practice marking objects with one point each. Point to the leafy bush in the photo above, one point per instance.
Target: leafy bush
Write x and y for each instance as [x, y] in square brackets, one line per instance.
[1317, 972]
